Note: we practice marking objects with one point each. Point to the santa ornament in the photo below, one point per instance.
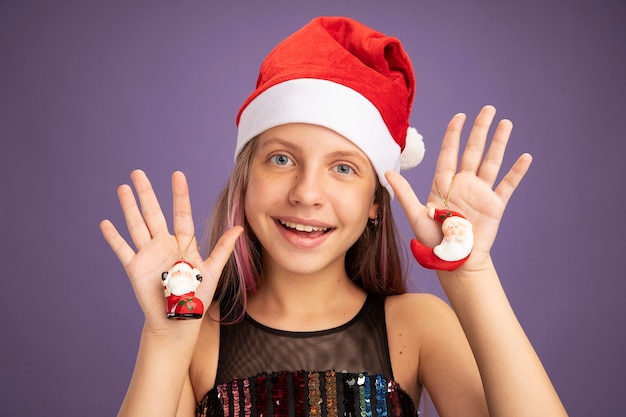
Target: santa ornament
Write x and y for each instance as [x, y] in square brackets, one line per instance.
[180, 283]
[458, 238]
[455, 247]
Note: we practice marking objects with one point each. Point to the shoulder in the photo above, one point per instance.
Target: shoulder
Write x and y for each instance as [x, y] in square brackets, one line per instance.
[418, 317]
[414, 322]
[427, 346]
[416, 309]
[427, 328]
[414, 300]
[425, 319]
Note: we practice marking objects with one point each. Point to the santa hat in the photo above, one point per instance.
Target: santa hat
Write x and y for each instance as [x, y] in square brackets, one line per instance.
[193, 269]
[443, 216]
[340, 74]
[183, 262]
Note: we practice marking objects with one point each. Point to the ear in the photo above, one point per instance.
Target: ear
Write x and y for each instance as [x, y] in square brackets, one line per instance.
[373, 213]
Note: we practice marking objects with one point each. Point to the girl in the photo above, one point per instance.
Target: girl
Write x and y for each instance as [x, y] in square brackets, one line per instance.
[306, 310]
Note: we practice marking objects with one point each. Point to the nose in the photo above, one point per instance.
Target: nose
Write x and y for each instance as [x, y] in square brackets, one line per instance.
[308, 188]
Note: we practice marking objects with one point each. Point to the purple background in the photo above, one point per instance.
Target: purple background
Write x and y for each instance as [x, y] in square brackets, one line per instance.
[90, 90]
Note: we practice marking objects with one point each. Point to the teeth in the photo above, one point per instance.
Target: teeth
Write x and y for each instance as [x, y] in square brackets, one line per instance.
[303, 227]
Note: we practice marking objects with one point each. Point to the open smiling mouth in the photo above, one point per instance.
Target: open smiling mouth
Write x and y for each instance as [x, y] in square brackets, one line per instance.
[307, 228]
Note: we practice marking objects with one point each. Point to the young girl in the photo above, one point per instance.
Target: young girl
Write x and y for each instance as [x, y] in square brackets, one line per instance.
[305, 307]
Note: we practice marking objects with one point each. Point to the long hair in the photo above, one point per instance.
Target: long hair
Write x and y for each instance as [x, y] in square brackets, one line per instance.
[375, 261]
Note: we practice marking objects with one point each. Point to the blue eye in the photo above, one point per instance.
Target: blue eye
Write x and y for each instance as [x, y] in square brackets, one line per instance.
[344, 169]
[281, 159]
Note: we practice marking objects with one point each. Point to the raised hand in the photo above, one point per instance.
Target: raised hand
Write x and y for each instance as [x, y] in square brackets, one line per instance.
[472, 192]
[156, 249]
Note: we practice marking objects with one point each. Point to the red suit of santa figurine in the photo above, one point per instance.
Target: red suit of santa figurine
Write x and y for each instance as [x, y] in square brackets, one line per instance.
[180, 284]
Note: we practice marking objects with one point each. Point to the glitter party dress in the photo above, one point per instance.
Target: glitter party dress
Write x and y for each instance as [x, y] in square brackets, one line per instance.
[344, 371]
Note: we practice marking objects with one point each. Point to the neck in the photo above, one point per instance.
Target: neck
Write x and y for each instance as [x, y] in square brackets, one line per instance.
[306, 302]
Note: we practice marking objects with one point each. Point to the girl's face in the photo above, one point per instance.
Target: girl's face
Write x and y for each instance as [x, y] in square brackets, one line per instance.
[309, 197]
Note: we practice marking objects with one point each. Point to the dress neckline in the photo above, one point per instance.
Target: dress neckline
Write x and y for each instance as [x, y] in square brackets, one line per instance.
[310, 333]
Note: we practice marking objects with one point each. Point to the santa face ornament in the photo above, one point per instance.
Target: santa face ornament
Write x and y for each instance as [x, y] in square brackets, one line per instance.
[180, 284]
[455, 247]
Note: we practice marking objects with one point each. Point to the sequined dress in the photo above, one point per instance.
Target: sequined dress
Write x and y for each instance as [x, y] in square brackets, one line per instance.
[344, 371]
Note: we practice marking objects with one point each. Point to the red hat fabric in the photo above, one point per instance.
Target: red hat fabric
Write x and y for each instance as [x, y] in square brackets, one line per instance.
[183, 262]
[338, 73]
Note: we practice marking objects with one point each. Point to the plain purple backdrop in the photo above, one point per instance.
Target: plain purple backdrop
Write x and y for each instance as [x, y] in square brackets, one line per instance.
[90, 90]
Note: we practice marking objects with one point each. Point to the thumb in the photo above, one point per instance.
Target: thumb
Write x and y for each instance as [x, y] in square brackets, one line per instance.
[425, 229]
[415, 211]
[212, 267]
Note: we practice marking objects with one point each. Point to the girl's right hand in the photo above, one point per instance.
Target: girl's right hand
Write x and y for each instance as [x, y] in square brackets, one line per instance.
[156, 250]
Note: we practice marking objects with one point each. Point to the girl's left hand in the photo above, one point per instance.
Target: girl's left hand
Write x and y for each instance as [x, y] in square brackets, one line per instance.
[472, 193]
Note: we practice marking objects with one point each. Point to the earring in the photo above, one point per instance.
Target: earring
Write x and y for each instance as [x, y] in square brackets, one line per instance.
[374, 221]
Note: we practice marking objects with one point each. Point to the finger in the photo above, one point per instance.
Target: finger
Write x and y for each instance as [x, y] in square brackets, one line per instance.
[492, 162]
[134, 220]
[406, 196]
[513, 178]
[183, 219]
[117, 243]
[150, 208]
[473, 153]
[221, 252]
[449, 152]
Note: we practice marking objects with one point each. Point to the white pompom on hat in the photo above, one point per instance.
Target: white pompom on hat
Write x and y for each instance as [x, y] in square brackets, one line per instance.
[338, 73]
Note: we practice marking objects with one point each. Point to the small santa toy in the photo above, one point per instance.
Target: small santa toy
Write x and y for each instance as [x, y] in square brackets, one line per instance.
[455, 247]
[180, 284]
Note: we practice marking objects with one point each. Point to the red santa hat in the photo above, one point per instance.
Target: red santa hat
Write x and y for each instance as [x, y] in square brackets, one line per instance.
[443, 215]
[340, 74]
[183, 262]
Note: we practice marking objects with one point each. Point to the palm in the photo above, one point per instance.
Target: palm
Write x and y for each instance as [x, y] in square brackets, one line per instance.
[476, 200]
[145, 267]
[157, 249]
[472, 193]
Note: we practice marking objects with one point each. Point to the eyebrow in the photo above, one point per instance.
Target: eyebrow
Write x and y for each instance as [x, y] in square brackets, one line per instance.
[350, 154]
[276, 141]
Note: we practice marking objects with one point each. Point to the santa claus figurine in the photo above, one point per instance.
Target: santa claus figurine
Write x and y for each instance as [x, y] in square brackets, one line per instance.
[180, 284]
[454, 249]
